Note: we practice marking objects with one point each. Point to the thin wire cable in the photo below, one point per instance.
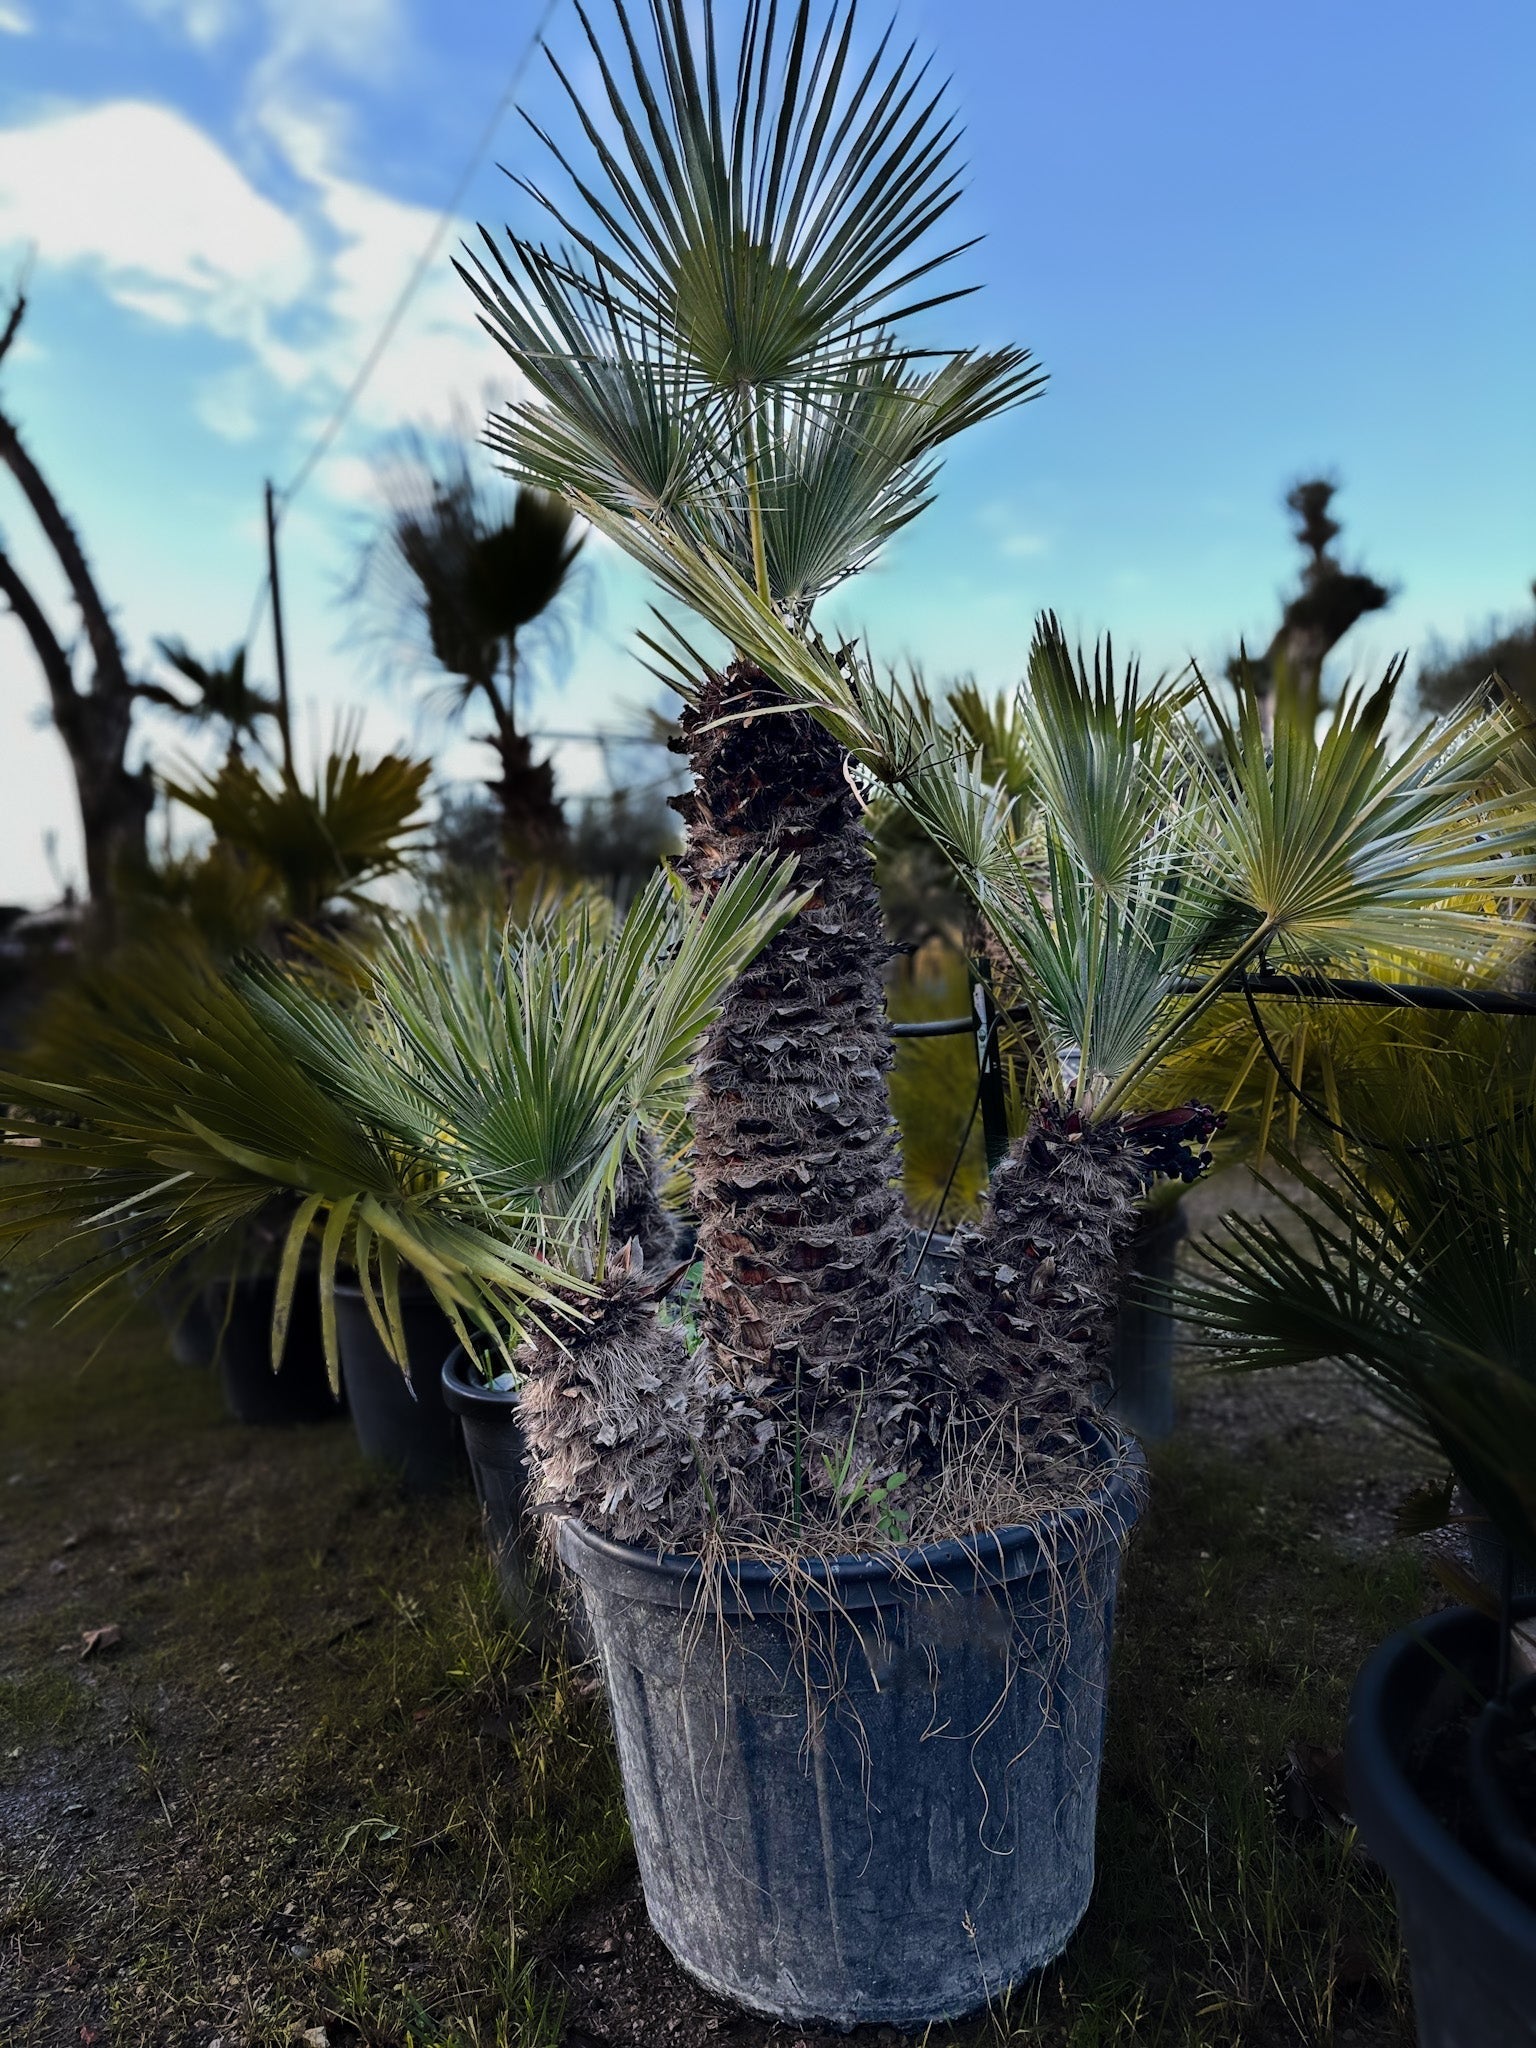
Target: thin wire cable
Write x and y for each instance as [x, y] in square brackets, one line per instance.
[397, 311]
[421, 266]
[1321, 1116]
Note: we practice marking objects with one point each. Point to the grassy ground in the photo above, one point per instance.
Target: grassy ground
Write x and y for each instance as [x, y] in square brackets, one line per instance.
[320, 1785]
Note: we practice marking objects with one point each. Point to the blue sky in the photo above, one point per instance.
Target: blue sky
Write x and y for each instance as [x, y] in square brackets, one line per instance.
[1247, 242]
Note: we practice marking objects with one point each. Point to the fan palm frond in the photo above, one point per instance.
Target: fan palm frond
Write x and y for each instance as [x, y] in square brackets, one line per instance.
[224, 694]
[467, 1109]
[1333, 839]
[1418, 1270]
[358, 824]
[712, 350]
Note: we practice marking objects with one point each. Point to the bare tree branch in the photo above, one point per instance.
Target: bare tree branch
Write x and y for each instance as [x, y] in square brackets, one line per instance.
[13, 322]
[111, 673]
[50, 654]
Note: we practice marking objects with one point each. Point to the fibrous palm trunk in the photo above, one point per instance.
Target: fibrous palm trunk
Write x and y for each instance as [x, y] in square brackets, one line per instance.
[628, 1431]
[1029, 1316]
[806, 1300]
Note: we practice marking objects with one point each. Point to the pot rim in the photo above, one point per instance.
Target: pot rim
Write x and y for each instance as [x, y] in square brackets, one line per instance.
[982, 1558]
[464, 1397]
[1402, 1827]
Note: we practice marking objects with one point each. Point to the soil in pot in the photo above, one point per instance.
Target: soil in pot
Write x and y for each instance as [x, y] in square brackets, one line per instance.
[300, 1390]
[1470, 1933]
[402, 1421]
[865, 1791]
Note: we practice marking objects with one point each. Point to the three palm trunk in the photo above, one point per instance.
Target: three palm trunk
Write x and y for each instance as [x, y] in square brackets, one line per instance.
[824, 1368]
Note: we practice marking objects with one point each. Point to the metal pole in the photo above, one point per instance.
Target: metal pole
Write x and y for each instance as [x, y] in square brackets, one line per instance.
[284, 722]
[994, 1099]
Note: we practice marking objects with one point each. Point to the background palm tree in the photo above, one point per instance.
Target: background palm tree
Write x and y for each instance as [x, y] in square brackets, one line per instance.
[471, 566]
[226, 699]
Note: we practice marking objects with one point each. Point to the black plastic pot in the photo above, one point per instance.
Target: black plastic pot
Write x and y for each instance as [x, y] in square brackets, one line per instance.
[402, 1421]
[1471, 1940]
[300, 1391]
[873, 1802]
[493, 1437]
[191, 1326]
[1146, 1334]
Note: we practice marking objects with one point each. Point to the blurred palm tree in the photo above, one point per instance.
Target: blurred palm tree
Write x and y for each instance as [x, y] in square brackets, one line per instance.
[471, 565]
[226, 699]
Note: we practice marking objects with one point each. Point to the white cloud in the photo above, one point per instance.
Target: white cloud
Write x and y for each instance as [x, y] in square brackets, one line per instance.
[14, 19]
[137, 195]
[1022, 547]
[362, 38]
[202, 22]
[229, 404]
[175, 232]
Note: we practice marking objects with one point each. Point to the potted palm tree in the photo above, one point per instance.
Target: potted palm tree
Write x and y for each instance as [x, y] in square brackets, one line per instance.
[917, 1523]
[848, 1545]
[283, 857]
[1413, 1264]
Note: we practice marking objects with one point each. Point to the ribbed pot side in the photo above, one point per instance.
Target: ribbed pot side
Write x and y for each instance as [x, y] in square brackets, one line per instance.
[911, 1832]
[498, 1463]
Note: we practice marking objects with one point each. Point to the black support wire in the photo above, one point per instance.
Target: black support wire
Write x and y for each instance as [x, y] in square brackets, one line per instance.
[1484, 1002]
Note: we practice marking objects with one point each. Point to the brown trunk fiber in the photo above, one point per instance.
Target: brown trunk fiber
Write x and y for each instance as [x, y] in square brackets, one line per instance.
[1030, 1315]
[627, 1430]
[533, 828]
[802, 1230]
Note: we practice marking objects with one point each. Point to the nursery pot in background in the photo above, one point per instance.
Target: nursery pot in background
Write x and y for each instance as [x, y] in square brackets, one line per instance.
[493, 1437]
[865, 1792]
[402, 1421]
[191, 1323]
[1146, 1333]
[300, 1390]
[1470, 1937]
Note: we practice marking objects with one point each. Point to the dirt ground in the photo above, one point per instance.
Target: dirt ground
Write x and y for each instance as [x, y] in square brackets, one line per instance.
[315, 1787]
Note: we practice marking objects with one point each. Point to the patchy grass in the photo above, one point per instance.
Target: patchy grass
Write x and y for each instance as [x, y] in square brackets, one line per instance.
[1219, 1917]
[323, 1783]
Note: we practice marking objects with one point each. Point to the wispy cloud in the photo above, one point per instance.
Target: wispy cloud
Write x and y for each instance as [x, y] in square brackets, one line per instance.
[141, 198]
[14, 19]
[1023, 547]
[201, 22]
[173, 230]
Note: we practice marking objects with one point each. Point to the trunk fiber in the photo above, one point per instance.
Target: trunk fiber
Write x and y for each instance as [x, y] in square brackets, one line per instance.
[806, 1302]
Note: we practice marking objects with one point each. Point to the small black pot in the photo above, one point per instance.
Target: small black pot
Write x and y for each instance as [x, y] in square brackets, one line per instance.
[493, 1437]
[1146, 1334]
[191, 1326]
[300, 1390]
[865, 1791]
[1471, 1940]
[401, 1419]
